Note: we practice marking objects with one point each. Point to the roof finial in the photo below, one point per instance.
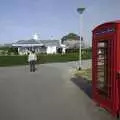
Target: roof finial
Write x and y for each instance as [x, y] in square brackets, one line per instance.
[36, 36]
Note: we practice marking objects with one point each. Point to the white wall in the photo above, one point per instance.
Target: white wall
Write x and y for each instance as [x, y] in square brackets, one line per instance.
[51, 50]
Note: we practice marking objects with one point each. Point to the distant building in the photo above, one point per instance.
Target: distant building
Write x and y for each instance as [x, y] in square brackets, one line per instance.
[51, 50]
[44, 46]
[51, 46]
[39, 46]
[25, 46]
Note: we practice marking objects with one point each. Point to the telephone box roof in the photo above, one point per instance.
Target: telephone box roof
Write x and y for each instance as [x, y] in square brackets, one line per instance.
[109, 22]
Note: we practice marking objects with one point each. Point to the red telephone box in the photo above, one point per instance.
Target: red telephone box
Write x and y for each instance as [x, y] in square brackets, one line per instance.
[106, 66]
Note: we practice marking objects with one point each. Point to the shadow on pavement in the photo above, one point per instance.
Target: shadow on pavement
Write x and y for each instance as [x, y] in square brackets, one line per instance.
[84, 85]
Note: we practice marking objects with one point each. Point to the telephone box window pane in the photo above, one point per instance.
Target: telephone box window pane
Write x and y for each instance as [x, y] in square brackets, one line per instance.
[102, 82]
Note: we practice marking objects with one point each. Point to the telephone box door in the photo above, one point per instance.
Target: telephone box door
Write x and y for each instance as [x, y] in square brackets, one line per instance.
[103, 72]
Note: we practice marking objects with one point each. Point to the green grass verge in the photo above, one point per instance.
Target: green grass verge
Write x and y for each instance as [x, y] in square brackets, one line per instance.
[42, 58]
[58, 58]
[12, 60]
[85, 73]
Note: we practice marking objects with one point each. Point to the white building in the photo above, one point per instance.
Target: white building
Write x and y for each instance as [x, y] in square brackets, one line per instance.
[51, 46]
[51, 50]
[39, 46]
[25, 46]
[45, 46]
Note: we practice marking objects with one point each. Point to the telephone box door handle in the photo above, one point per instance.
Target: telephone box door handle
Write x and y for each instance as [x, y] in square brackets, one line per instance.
[118, 75]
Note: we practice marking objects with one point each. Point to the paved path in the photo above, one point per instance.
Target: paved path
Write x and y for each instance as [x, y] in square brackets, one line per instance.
[47, 94]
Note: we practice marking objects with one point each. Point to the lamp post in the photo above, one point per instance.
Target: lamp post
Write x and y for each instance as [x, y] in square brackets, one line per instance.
[80, 11]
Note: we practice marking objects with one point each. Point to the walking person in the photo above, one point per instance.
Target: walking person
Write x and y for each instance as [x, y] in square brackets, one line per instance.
[32, 59]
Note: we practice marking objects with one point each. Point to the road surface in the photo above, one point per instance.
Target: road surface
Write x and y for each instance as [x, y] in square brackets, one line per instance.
[47, 94]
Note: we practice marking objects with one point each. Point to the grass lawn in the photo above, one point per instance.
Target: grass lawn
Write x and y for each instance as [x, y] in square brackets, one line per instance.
[85, 73]
[42, 58]
[12, 60]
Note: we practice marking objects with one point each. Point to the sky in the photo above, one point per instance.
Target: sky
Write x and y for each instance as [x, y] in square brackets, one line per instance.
[52, 19]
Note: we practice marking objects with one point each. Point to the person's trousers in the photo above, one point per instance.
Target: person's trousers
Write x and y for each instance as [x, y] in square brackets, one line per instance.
[32, 66]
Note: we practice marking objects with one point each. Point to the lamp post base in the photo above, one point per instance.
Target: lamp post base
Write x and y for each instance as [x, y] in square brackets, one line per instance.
[79, 68]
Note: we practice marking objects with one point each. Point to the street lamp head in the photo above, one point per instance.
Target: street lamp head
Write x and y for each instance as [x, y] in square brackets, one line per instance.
[80, 10]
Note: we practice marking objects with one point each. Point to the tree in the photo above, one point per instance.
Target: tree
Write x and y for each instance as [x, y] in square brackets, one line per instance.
[12, 50]
[70, 36]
